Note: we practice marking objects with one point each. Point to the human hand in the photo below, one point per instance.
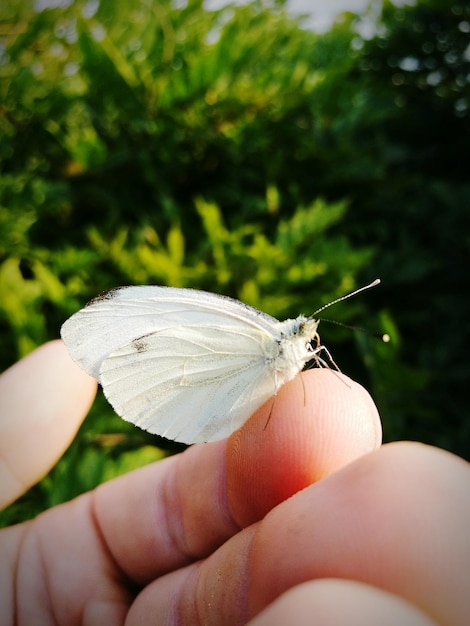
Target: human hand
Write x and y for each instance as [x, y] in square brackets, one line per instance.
[211, 536]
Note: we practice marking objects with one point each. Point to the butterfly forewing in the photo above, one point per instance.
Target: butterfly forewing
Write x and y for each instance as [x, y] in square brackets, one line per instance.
[118, 317]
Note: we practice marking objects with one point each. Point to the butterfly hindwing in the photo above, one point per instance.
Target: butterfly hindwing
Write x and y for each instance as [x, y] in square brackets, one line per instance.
[190, 383]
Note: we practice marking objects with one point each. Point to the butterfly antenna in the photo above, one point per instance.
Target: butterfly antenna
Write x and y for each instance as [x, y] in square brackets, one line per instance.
[382, 336]
[347, 296]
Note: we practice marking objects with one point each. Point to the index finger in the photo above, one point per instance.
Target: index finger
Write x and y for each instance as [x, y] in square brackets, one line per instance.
[320, 422]
[166, 515]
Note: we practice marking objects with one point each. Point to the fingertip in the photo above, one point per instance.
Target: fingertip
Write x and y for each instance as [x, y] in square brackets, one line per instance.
[335, 602]
[341, 415]
[43, 398]
[316, 424]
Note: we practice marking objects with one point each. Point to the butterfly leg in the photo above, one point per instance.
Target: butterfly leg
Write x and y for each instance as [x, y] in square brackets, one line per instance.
[329, 363]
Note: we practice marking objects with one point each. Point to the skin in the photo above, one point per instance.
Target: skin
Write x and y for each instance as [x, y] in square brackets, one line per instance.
[300, 517]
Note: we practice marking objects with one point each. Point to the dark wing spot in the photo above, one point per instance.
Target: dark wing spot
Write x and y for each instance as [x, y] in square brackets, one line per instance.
[139, 344]
[106, 295]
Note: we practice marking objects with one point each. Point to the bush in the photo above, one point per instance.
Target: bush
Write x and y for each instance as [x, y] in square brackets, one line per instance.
[234, 151]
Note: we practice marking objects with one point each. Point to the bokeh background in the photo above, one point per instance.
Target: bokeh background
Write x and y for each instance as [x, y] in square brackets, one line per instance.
[236, 149]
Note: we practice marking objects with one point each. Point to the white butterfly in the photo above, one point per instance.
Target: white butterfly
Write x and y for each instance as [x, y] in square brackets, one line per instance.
[185, 364]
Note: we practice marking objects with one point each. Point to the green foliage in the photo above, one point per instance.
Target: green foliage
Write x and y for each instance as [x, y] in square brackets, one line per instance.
[233, 151]
[417, 69]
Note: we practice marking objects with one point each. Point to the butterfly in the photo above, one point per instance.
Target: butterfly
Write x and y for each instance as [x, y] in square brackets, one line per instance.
[185, 364]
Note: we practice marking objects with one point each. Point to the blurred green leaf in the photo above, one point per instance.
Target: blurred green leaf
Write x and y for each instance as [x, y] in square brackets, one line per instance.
[235, 151]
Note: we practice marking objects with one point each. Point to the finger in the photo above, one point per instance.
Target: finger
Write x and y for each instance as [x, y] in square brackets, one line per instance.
[182, 509]
[43, 399]
[319, 423]
[333, 602]
[396, 519]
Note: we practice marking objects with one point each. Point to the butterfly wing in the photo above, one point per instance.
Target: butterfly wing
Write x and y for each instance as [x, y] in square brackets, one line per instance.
[117, 317]
[190, 383]
[188, 365]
